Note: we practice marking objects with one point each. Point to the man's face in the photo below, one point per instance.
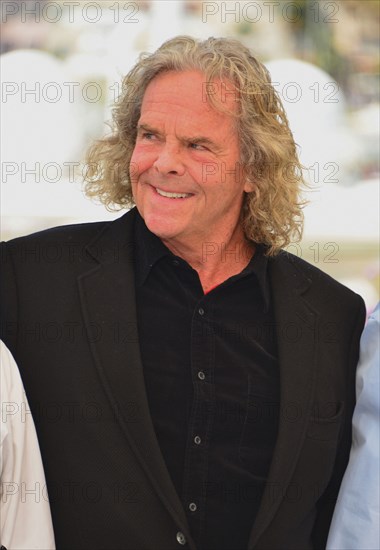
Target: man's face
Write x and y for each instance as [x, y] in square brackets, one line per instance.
[185, 167]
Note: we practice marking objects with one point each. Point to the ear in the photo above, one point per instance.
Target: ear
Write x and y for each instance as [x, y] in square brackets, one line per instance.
[249, 186]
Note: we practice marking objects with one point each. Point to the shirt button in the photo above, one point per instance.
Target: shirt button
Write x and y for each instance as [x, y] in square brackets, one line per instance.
[201, 375]
[181, 538]
[175, 262]
[197, 440]
[201, 311]
[192, 506]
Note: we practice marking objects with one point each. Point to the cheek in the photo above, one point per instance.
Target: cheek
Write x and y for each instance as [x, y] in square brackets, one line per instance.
[201, 174]
[141, 160]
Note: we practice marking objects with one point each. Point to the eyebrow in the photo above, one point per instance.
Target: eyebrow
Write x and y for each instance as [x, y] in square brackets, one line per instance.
[199, 140]
[147, 128]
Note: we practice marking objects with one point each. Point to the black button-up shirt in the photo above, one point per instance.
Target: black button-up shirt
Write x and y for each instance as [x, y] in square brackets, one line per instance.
[212, 381]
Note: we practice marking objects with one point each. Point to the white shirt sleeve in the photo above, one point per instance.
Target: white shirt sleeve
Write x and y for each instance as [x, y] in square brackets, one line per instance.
[25, 520]
[355, 523]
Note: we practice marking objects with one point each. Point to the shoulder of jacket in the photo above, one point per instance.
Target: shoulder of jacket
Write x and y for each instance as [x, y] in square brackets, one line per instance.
[60, 233]
[319, 279]
[64, 234]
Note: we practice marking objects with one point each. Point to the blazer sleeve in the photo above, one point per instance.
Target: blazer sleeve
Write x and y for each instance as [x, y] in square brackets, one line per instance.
[327, 501]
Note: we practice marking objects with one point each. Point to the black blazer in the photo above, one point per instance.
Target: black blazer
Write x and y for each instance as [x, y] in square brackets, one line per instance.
[69, 318]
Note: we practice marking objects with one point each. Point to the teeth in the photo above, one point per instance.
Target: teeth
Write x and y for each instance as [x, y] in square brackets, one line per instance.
[172, 195]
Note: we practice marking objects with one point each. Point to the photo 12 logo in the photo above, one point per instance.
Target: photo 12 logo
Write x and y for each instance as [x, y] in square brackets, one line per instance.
[270, 12]
[70, 12]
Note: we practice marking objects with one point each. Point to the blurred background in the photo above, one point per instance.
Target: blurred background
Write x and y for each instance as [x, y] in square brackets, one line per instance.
[61, 67]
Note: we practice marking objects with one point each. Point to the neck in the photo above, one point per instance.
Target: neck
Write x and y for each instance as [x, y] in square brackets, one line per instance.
[215, 260]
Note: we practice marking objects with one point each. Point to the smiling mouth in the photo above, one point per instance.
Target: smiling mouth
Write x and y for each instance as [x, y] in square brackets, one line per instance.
[172, 195]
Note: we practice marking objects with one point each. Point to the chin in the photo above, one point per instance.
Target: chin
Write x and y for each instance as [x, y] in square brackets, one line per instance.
[162, 228]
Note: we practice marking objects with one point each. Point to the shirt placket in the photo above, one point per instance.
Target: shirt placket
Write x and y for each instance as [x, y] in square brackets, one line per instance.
[201, 418]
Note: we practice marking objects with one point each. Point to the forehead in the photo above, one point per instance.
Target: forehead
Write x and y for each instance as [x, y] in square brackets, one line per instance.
[190, 91]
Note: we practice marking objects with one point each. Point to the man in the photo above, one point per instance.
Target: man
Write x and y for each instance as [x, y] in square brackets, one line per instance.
[25, 520]
[356, 522]
[192, 385]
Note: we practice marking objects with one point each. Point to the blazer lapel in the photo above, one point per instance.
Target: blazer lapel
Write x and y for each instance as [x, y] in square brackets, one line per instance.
[296, 323]
[108, 304]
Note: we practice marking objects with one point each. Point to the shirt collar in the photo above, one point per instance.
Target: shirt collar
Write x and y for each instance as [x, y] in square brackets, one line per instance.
[150, 249]
[259, 267]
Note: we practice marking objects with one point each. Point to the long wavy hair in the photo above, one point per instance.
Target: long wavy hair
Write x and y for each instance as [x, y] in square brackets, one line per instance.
[272, 212]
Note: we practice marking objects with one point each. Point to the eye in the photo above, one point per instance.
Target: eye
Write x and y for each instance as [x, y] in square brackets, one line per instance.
[197, 147]
[147, 135]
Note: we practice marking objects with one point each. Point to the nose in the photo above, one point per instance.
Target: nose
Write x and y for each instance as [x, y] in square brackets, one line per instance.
[169, 160]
